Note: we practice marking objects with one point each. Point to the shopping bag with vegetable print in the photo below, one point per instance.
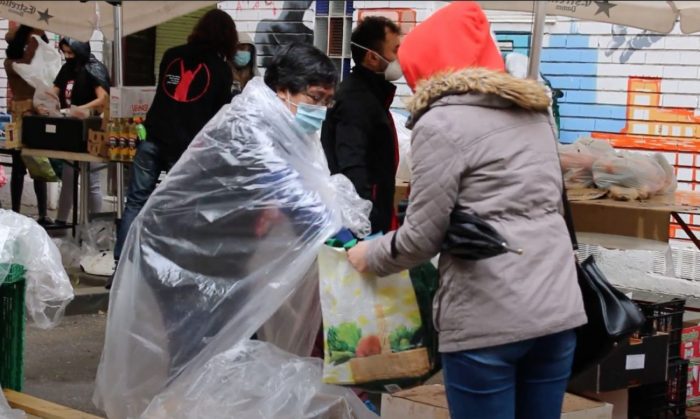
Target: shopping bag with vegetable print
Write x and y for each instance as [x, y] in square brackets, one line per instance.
[372, 326]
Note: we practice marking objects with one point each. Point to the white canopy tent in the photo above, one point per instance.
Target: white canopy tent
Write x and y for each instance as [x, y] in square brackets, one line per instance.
[79, 19]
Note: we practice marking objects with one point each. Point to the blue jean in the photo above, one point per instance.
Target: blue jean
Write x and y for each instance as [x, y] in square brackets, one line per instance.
[145, 171]
[520, 380]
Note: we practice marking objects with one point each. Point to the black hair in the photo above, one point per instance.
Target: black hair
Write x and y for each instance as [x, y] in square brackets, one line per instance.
[215, 31]
[297, 66]
[15, 47]
[371, 34]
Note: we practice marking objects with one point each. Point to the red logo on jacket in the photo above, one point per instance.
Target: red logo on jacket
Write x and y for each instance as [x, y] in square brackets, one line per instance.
[186, 84]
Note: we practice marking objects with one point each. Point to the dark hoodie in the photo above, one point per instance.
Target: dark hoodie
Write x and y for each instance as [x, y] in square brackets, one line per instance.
[80, 76]
[193, 84]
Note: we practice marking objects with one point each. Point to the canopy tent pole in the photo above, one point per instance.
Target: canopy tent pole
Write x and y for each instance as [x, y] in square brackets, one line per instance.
[118, 82]
[539, 9]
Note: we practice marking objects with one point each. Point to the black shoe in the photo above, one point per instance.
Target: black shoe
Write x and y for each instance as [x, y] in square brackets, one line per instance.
[45, 221]
[108, 285]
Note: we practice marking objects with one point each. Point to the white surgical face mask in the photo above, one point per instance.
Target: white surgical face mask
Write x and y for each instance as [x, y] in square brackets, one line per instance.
[392, 72]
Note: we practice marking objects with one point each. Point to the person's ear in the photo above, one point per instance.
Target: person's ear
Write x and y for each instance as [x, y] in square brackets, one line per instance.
[283, 94]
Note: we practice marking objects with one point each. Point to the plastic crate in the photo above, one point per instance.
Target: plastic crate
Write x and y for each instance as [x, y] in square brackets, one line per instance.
[662, 400]
[666, 317]
[12, 328]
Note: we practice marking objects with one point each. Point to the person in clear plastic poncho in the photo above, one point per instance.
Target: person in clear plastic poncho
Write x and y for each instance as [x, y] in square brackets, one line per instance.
[226, 238]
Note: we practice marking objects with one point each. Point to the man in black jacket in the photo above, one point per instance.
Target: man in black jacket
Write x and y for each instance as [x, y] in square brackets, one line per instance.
[359, 137]
[194, 82]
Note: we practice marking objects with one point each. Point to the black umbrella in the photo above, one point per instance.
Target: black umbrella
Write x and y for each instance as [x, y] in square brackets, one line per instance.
[470, 237]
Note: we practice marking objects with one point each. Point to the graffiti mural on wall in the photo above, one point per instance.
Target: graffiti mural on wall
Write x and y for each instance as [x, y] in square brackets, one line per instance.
[286, 28]
[627, 48]
[651, 126]
[670, 130]
[256, 5]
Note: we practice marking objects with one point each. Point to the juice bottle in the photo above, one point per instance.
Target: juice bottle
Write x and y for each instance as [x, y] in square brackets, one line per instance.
[113, 136]
[133, 139]
[124, 140]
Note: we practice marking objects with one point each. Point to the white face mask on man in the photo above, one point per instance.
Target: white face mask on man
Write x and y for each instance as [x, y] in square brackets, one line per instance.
[392, 72]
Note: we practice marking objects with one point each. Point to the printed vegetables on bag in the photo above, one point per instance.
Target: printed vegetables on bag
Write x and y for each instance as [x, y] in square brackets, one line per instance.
[372, 326]
[404, 338]
[342, 342]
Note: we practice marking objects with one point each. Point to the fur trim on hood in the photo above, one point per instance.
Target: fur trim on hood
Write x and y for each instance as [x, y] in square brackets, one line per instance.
[526, 94]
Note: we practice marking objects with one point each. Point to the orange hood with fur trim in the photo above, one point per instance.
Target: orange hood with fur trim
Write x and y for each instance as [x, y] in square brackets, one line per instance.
[455, 37]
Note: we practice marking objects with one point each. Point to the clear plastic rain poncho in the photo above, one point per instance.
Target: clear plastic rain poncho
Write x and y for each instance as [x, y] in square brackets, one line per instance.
[48, 289]
[220, 246]
[6, 412]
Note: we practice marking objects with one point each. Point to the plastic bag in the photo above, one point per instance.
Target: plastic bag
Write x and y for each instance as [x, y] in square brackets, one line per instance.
[354, 210]
[48, 289]
[257, 380]
[224, 241]
[3, 177]
[6, 412]
[516, 64]
[46, 102]
[577, 161]
[44, 68]
[632, 176]
[403, 172]
[95, 255]
[98, 236]
[42, 168]
[372, 326]
[70, 252]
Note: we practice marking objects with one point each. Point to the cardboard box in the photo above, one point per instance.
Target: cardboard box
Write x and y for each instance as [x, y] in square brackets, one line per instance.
[424, 402]
[130, 101]
[641, 362]
[618, 399]
[693, 385]
[59, 133]
[634, 222]
[13, 136]
[648, 219]
[400, 193]
[98, 143]
[690, 340]
[577, 407]
[430, 402]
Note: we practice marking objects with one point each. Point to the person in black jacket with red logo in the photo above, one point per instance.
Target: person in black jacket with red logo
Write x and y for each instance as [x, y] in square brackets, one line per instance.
[194, 82]
[359, 137]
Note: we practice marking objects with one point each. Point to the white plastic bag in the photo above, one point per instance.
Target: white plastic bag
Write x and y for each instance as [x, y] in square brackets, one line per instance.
[403, 173]
[577, 160]
[224, 241]
[44, 68]
[6, 412]
[632, 176]
[48, 289]
[256, 380]
[516, 64]
[45, 101]
[354, 210]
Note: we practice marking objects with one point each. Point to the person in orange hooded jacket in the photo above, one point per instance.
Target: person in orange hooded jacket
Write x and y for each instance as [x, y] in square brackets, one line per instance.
[483, 143]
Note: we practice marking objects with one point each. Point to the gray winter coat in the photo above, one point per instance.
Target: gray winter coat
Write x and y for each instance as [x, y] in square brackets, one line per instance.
[483, 142]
